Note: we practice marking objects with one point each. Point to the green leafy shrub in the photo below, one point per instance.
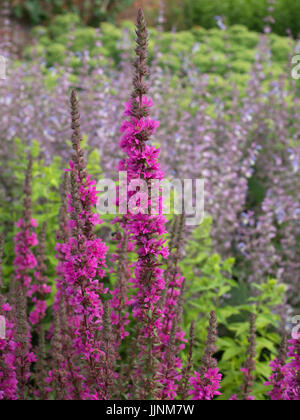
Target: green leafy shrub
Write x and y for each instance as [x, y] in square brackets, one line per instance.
[280, 48]
[211, 51]
[243, 38]
[93, 11]
[210, 286]
[56, 54]
[251, 13]
[46, 196]
[240, 66]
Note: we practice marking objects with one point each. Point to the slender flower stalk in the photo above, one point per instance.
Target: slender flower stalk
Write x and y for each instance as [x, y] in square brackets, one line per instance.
[120, 301]
[64, 376]
[23, 355]
[24, 263]
[26, 238]
[8, 378]
[171, 333]
[206, 382]
[62, 236]
[58, 375]
[249, 367]
[187, 370]
[40, 290]
[41, 393]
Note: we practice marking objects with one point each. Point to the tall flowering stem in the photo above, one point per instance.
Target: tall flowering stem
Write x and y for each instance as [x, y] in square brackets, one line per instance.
[24, 263]
[249, 366]
[83, 268]
[26, 238]
[187, 370]
[8, 377]
[145, 230]
[120, 301]
[206, 382]
[171, 333]
[64, 377]
[40, 290]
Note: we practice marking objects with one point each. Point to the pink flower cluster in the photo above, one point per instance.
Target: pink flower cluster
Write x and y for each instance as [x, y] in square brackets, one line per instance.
[276, 380]
[25, 260]
[285, 378]
[205, 385]
[292, 372]
[146, 231]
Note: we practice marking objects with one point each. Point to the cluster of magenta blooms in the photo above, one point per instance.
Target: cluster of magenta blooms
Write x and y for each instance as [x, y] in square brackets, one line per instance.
[90, 321]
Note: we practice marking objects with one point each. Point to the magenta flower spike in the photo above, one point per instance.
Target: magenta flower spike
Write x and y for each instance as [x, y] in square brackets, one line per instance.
[145, 230]
[82, 266]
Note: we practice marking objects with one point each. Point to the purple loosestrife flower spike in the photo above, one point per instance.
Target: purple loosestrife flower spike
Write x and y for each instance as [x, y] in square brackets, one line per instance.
[141, 69]
[206, 382]
[171, 303]
[40, 290]
[64, 378]
[81, 270]
[26, 238]
[24, 263]
[145, 231]
[8, 376]
[24, 358]
[249, 366]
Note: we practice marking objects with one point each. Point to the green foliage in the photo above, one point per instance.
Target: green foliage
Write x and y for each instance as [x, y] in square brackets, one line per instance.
[46, 199]
[46, 183]
[92, 11]
[234, 345]
[56, 53]
[250, 13]
[218, 53]
[210, 287]
[208, 279]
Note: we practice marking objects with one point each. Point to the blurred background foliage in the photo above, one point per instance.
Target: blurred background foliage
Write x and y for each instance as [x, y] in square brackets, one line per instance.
[91, 11]
[221, 54]
[182, 14]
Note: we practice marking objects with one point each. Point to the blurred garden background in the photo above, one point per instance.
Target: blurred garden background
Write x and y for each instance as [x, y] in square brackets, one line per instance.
[224, 79]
